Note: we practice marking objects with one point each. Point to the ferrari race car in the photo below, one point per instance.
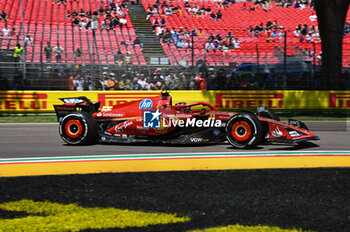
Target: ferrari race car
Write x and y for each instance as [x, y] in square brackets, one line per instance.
[157, 120]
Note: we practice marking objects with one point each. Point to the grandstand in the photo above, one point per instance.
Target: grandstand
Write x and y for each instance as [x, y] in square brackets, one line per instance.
[237, 18]
[52, 21]
[47, 21]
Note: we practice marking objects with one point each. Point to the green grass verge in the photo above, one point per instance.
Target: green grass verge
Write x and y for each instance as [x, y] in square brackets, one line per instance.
[240, 228]
[28, 119]
[230, 201]
[55, 217]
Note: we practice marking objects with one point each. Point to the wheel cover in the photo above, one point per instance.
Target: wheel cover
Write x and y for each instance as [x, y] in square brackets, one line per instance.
[241, 131]
[73, 128]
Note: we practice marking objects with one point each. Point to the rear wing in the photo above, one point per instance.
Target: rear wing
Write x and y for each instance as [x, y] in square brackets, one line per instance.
[75, 104]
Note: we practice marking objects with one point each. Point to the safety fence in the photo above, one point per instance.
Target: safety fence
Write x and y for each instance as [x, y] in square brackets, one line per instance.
[43, 101]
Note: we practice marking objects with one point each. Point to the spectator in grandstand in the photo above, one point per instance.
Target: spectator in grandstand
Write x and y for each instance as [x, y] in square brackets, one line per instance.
[78, 54]
[48, 52]
[78, 83]
[217, 45]
[3, 16]
[159, 85]
[150, 12]
[13, 32]
[89, 83]
[123, 22]
[170, 82]
[287, 3]
[111, 82]
[297, 4]
[304, 30]
[84, 23]
[200, 80]
[124, 83]
[244, 7]
[141, 80]
[168, 11]
[81, 12]
[94, 20]
[258, 30]
[128, 57]
[266, 7]
[281, 34]
[347, 28]
[28, 40]
[313, 17]
[308, 37]
[279, 3]
[162, 21]
[296, 32]
[157, 76]
[251, 30]
[58, 53]
[100, 84]
[149, 84]
[159, 31]
[236, 43]
[18, 52]
[213, 16]
[219, 15]
[119, 58]
[188, 44]
[137, 42]
[213, 82]
[75, 21]
[155, 23]
[135, 85]
[181, 82]
[180, 44]
[5, 31]
[319, 59]
[274, 35]
[209, 46]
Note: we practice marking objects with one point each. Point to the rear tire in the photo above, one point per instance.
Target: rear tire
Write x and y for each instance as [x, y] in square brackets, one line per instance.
[78, 128]
[244, 130]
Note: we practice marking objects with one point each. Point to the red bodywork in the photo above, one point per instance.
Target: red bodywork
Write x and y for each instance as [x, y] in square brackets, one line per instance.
[132, 116]
[127, 119]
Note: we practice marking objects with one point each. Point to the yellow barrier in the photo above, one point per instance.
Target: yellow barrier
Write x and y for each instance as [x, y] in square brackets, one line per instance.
[43, 101]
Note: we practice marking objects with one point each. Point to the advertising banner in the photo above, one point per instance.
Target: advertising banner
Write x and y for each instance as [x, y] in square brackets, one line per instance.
[43, 101]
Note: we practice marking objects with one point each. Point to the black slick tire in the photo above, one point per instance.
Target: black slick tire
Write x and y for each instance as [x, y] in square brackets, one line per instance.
[244, 130]
[78, 128]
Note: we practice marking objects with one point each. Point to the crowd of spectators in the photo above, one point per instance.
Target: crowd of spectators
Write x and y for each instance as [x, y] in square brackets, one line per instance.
[139, 81]
[265, 4]
[219, 80]
[160, 80]
[112, 15]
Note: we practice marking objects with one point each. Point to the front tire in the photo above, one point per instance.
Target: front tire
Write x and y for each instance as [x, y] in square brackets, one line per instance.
[244, 130]
[78, 128]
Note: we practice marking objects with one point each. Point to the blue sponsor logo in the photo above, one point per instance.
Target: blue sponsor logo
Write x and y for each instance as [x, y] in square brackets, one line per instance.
[151, 119]
[145, 104]
[216, 132]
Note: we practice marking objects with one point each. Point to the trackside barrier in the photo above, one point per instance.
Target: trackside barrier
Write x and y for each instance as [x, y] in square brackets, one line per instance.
[43, 101]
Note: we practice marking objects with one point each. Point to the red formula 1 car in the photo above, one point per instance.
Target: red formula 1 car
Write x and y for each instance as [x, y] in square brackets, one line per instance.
[157, 120]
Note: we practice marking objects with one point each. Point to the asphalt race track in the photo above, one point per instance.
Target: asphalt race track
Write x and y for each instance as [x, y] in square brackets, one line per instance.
[43, 140]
